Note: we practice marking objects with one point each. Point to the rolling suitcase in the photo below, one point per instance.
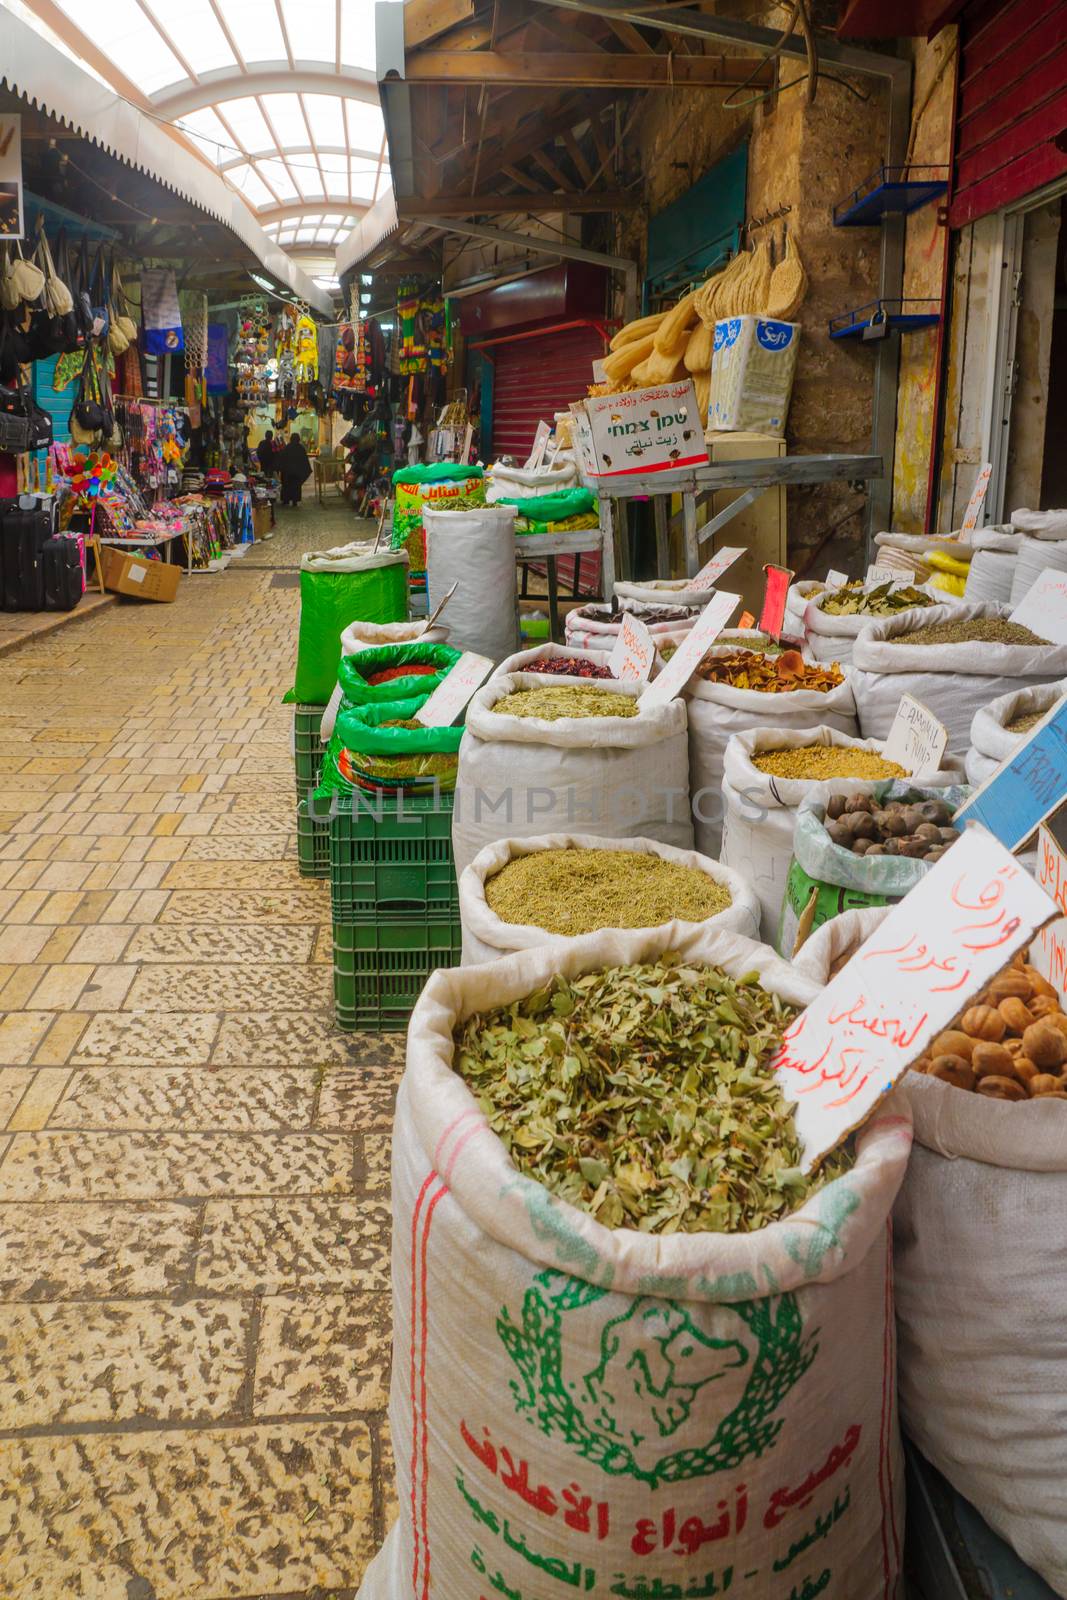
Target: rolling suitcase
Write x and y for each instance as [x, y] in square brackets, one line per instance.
[64, 575]
[24, 534]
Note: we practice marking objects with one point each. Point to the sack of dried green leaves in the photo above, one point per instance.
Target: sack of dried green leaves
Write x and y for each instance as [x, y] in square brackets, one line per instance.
[562, 886]
[603, 1405]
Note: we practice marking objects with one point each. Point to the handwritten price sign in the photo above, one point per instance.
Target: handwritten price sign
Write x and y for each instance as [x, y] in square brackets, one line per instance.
[689, 654]
[451, 695]
[1043, 607]
[712, 570]
[634, 651]
[934, 951]
[916, 740]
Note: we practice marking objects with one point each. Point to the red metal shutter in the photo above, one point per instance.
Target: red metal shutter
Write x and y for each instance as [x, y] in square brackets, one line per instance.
[1012, 107]
[535, 376]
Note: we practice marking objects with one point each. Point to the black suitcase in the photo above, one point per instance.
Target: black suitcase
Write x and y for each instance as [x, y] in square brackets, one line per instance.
[64, 579]
[24, 535]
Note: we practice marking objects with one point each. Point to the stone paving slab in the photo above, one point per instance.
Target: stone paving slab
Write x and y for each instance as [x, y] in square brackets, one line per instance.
[62, 1252]
[219, 1099]
[269, 1246]
[190, 987]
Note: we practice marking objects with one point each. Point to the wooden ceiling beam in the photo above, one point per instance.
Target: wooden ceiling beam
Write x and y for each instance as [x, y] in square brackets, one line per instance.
[428, 19]
[577, 155]
[465, 205]
[549, 167]
[521, 179]
[553, 70]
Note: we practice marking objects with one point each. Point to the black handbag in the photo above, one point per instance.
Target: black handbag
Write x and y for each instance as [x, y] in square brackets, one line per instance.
[79, 288]
[14, 423]
[88, 411]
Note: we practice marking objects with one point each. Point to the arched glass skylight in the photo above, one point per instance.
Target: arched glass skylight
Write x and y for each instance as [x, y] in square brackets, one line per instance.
[279, 94]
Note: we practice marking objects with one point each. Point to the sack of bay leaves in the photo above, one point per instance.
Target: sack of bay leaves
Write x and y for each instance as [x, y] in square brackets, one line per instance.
[834, 619]
[540, 756]
[583, 1407]
[520, 893]
[955, 659]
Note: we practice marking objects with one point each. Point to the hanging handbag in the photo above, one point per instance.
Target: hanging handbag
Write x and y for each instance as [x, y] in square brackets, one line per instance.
[9, 295]
[39, 423]
[14, 424]
[88, 416]
[83, 305]
[57, 297]
[72, 335]
[98, 294]
[121, 304]
[46, 333]
[26, 275]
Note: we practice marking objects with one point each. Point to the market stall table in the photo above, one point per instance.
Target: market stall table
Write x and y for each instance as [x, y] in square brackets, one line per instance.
[546, 547]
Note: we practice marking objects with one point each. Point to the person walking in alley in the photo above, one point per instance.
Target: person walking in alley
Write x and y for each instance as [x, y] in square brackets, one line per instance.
[294, 469]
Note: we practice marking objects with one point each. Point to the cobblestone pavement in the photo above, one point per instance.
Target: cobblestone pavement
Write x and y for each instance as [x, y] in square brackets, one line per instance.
[194, 1314]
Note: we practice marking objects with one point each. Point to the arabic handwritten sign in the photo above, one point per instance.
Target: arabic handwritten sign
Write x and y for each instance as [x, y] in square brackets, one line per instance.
[634, 651]
[835, 579]
[689, 654]
[977, 500]
[713, 570]
[1026, 788]
[876, 575]
[774, 597]
[916, 740]
[1043, 608]
[450, 696]
[1049, 951]
[540, 444]
[934, 951]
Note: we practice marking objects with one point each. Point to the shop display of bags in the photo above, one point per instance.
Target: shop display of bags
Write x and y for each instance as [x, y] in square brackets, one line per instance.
[486, 936]
[337, 586]
[952, 680]
[475, 548]
[979, 1286]
[991, 743]
[610, 1407]
[613, 777]
[717, 711]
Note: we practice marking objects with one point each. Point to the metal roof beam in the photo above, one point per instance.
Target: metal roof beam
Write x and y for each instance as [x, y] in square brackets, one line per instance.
[295, 150]
[307, 77]
[547, 247]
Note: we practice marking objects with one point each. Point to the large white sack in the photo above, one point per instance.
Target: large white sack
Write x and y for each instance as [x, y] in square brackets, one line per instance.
[520, 661]
[519, 483]
[952, 680]
[998, 536]
[599, 627]
[613, 777]
[796, 602]
[574, 1408]
[991, 743]
[372, 636]
[981, 1274]
[477, 548]
[664, 591]
[1040, 524]
[760, 810]
[717, 711]
[832, 946]
[831, 638]
[990, 577]
[486, 936]
[1035, 557]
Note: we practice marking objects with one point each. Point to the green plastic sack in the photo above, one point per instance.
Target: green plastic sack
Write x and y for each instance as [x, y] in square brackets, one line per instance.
[354, 587]
[352, 672]
[552, 507]
[410, 759]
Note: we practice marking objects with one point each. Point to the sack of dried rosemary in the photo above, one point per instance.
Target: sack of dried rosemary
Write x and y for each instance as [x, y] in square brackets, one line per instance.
[588, 1409]
[520, 893]
[834, 618]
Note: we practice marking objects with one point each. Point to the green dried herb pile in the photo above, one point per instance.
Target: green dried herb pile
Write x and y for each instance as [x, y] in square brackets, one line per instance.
[980, 630]
[1024, 723]
[571, 892]
[565, 700]
[643, 1095]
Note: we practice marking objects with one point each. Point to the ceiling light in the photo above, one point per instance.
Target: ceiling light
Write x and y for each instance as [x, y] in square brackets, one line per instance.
[264, 283]
[366, 277]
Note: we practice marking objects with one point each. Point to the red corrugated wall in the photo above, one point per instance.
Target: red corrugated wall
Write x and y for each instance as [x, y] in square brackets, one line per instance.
[1012, 105]
[533, 377]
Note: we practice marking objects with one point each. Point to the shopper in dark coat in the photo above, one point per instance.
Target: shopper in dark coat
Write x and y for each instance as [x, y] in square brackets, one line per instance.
[267, 454]
[294, 469]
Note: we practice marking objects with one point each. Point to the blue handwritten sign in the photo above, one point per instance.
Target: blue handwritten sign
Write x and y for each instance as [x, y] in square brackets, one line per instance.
[1025, 789]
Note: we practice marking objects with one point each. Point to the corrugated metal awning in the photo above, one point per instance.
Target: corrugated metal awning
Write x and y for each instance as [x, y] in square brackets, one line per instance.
[372, 229]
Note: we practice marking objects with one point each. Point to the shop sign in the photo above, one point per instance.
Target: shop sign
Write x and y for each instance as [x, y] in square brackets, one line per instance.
[1043, 608]
[642, 431]
[712, 570]
[634, 650]
[917, 739]
[12, 215]
[1027, 788]
[934, 952]
[689, 654]
[1049, 950]
[451, 695]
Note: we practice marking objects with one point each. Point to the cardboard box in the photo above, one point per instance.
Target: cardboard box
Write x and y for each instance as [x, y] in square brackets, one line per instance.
[262, 521]
[645, 430]
[752, 371]
[134, 575]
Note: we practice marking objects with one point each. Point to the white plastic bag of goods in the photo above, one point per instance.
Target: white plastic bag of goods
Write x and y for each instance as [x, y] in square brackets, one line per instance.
[832, 946]
[519, 484]
[520, 661]
[991, 743]
[990, 577]
[599, 628]
[1040, 524]
[831, 638]
[371, 636]
[486, 936]
[477, 548]
[717, 711]
[760, 810]
[796, 602]
[665, 591]
[1035, 557]
[573, 1408]
[980, 1281]
[612, 777]
[752, 368]
[952, 680]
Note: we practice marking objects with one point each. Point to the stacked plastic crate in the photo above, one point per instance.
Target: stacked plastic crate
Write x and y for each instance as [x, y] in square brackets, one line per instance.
[312, 833]
[395, 904]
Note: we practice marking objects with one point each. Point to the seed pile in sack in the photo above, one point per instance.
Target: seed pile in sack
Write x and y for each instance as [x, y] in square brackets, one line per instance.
[394, 672]
[626, 1409]
[438, 486]
[999, 728]
[383, 748]
[564, 700]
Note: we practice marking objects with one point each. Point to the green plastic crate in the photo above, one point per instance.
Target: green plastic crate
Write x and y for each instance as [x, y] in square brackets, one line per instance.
[379, 971]
[308, 749]
[312, 844]
[395, 858]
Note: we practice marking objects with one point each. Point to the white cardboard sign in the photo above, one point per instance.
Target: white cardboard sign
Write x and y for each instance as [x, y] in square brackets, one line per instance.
[537, 454]
[1049, 951]
[712, 570]
[877, 575]
[916, 740]
[451, 695]
[1043, 608]
[685, 660]
[977, 500]
[836, 580]
[935, 950]
[634, 650]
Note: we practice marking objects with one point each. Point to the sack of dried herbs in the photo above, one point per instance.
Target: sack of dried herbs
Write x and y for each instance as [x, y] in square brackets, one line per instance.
[576, 1407]
[999, 728]
[718, 710]
[610, 776]
[520, 893]
[954, 680]
[520, 661]
[760, 808]
[831, 633]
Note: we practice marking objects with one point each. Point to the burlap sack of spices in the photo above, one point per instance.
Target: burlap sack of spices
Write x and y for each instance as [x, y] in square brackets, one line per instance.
[584, 1411]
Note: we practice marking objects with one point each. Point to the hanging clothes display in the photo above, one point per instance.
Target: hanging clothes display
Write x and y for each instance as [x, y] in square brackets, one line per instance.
[306, 355]
[411, 322]
[159, 311]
